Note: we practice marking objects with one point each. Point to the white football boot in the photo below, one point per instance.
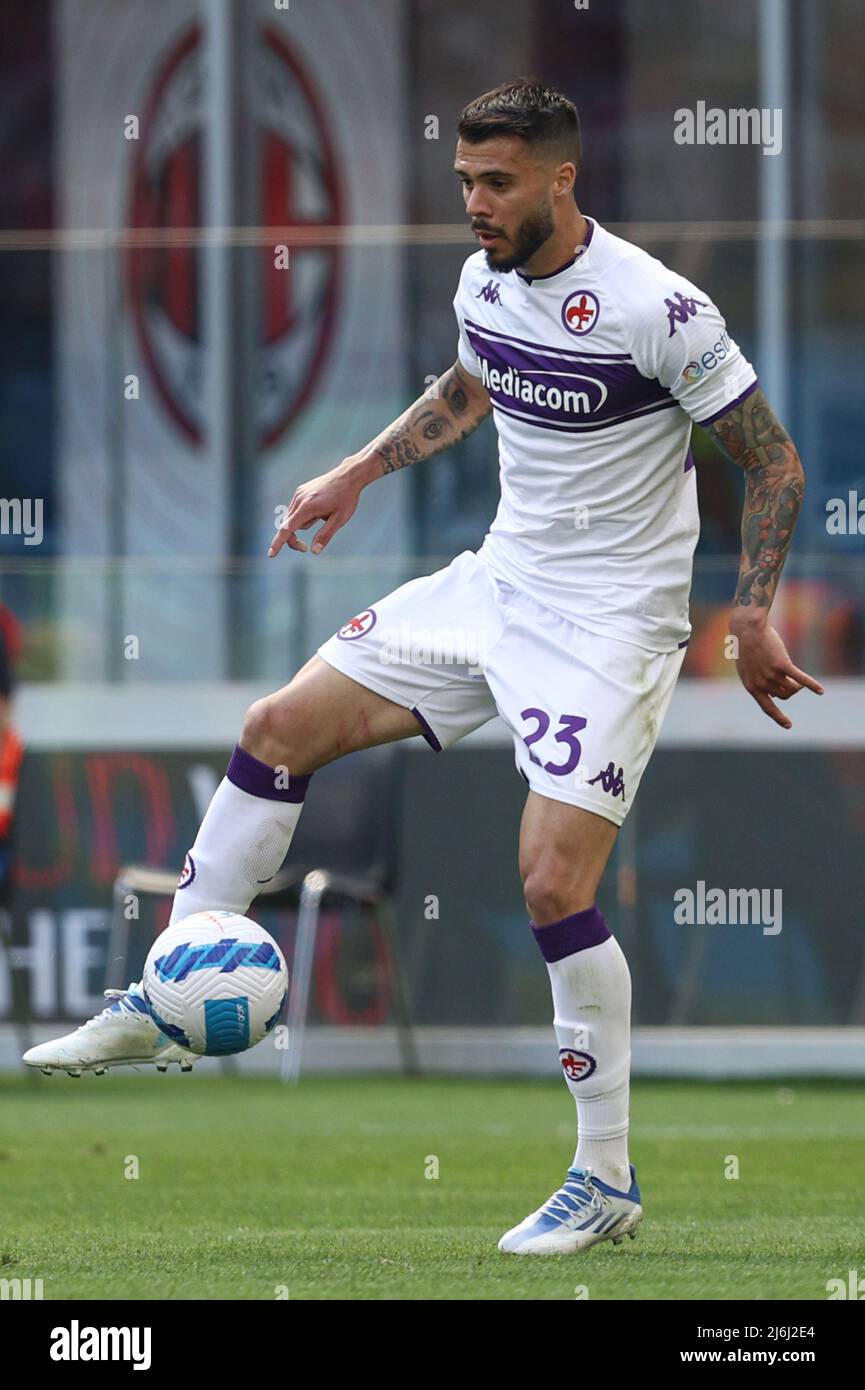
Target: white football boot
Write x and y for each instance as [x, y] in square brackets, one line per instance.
[584, 1211]
[123, 1035]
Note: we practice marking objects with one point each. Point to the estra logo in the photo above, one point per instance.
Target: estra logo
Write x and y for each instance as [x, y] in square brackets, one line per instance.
[300, 189]
[711, 358]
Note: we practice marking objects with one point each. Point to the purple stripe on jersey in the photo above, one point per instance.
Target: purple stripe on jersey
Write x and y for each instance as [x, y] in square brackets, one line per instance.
[731, 405]
[689, 461]
[575, 933]
[559, 352]
[684, 644]
[255, 777]
[549, 390]
[427, 731]
[590, 429]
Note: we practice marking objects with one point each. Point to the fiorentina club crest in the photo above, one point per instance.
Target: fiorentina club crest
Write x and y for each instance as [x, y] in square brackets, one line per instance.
[357, 627]
[576, 1065]
[580, 312]
[298, 191]
[188, 873]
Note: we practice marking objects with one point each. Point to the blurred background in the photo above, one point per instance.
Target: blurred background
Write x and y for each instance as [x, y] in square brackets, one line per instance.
[230, 236]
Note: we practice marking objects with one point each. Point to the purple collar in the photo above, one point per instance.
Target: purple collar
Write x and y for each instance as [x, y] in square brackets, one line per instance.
[580, 251]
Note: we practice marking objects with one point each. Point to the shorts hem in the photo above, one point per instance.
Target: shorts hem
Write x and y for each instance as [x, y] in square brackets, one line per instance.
[585, 803]
[425, 729]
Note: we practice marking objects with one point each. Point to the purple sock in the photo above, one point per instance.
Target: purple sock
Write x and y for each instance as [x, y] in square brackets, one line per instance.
[575, 933]
[253, 776]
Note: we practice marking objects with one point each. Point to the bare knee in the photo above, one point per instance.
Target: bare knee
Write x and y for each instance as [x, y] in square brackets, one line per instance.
[275, 731]
[555, 887]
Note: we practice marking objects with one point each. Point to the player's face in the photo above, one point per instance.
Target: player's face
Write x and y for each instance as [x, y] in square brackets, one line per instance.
[507, 193]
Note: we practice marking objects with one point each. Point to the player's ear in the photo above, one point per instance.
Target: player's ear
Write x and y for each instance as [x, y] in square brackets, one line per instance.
[565, 178]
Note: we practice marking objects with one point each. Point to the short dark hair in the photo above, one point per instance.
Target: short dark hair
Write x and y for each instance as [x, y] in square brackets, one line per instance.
[527, 109]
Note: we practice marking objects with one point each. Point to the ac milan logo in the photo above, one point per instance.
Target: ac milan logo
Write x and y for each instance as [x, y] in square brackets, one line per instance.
[298, 188]
[188, 873]
[357, 627]
[576, 1065]
[580, 312]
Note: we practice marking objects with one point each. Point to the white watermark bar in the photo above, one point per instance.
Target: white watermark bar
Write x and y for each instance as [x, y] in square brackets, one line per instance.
[704, 713]
[411, 234]
[709, 1053]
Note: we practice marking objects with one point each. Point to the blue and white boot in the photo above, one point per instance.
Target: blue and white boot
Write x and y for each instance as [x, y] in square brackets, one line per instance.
[122, 1035]
[585, 1210]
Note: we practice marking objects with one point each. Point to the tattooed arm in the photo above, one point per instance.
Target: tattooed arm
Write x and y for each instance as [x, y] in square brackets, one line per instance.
[452, 407]
[751, 436]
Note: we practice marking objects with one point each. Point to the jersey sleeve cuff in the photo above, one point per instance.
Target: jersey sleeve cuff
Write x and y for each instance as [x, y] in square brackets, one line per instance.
[731, 405]
[470, 363]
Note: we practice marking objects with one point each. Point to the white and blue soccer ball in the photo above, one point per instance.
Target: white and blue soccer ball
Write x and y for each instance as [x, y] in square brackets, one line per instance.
[215, 983]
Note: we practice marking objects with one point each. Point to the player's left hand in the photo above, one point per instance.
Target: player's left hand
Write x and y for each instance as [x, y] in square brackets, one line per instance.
[766, 671]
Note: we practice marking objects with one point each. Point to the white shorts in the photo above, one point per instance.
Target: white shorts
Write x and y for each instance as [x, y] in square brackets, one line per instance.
[459, 647]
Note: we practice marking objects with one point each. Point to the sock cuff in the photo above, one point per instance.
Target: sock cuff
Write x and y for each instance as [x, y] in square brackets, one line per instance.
[575, 933]
[255, 777]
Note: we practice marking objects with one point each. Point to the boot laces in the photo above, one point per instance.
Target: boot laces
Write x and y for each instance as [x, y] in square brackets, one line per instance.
[577, 1197]
[121, 1004]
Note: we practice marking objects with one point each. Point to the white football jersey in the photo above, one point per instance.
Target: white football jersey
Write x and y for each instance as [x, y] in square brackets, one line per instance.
[595, 373]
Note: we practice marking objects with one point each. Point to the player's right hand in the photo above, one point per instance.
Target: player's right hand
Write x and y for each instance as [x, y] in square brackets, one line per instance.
[332, 498]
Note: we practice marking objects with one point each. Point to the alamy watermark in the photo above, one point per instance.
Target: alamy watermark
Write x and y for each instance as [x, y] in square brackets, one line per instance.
[22, 516]
[846, 516]
[712, 907]
[409, 645]
[21, 1289]
[77, 1343]
[740, 126]
[851, 1287]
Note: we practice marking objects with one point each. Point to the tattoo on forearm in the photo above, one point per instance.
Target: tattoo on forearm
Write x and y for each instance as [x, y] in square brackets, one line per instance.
[437, 421]
[454, 393]
[432, 426]
[398, 450]
[751, 436]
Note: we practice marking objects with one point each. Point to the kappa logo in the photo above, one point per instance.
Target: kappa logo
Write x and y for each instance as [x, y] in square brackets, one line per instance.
[611, 780]
[188, 873]
[580, 312]
[576, 1065]
[681, 308]
[358, 626]
[491, 292]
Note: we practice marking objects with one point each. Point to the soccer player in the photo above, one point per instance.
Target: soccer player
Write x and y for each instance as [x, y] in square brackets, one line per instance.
[594, 360]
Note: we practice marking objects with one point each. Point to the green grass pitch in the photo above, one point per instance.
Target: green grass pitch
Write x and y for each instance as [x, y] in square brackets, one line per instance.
[250, 1190]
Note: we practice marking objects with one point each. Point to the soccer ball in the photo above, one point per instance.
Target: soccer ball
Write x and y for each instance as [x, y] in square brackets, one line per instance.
[215, 983]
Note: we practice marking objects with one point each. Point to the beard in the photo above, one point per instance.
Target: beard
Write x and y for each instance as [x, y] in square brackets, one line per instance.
[529, 237]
